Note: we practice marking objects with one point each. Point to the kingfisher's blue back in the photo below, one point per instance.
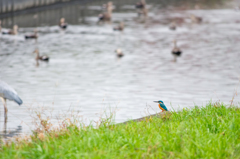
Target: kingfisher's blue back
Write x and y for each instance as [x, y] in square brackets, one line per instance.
[161, 105]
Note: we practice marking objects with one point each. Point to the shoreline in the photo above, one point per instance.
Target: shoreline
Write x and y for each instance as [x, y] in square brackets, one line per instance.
[161, 114]
[205, 132]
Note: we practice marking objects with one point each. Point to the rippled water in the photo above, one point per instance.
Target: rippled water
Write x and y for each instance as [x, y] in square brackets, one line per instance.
[84, 74]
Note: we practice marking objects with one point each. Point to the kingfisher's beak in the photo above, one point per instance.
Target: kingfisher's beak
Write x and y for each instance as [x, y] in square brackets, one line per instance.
[155, 101]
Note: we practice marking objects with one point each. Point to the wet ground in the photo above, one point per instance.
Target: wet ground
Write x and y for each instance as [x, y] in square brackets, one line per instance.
[85, 76]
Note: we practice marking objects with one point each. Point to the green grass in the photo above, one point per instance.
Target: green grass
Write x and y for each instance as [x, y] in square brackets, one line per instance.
[209, 132]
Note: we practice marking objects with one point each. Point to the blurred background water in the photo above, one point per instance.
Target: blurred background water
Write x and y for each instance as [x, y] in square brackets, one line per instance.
[84, 74]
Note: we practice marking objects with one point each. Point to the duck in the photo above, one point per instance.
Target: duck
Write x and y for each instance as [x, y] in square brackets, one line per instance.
[106, 16]
[176, 51]
[161, 105]
[173, 26]
[141, 4]
[142, 9]
[120, 27]
[42, 58]
[119, 53]
[14, 31]
[63, 24]
[33, 36]
[109, 6]
[143, 12]
[196, 19]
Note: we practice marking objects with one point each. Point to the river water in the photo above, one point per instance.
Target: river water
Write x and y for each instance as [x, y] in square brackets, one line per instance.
[85, 77]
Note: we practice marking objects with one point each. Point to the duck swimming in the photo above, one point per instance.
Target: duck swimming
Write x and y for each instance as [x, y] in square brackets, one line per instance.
[33, 36]
[119, 53]
[176, 51]
[173, 26]
[196, 19]
[161, 105]
[108, 6]
[120, 27]
[42, 58]
[62, 23]
[142, 9]
[106, 16]
[14, 31]
[141, 4]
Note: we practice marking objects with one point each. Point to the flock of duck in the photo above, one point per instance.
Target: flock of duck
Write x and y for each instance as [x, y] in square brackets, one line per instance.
[106, 17]
[142, 10]
[7, 92]
[14, 31]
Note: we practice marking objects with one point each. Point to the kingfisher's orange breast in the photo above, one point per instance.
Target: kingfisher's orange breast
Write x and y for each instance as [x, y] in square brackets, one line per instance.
[160, 107]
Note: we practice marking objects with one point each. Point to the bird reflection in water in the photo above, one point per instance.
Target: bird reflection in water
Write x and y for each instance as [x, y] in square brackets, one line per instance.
[11, 132]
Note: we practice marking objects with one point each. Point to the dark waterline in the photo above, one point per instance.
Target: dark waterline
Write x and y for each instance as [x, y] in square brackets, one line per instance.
[41, 14]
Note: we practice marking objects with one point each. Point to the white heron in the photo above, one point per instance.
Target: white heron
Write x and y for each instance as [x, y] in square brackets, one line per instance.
[7, 92]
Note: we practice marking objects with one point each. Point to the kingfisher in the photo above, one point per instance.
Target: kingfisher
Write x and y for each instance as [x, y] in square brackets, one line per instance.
[161, 105]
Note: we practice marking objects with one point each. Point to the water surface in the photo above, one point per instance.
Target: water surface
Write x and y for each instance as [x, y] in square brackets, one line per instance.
[84, 74]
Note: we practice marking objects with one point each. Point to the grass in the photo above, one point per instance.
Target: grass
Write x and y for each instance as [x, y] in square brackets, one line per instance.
[209, 132]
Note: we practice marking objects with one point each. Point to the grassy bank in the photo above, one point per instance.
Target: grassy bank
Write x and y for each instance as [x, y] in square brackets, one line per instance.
[212, 131]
